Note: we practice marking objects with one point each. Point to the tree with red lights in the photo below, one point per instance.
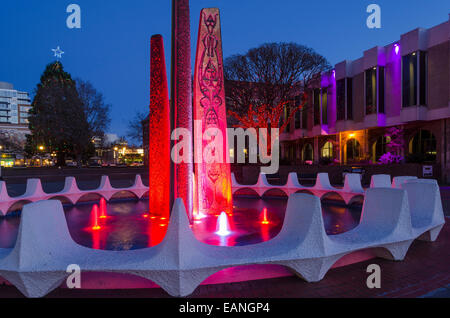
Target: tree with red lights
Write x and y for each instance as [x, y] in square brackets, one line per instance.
[266, 86]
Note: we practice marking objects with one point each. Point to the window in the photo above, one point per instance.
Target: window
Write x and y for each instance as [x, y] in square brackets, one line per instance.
[371, 91]
[414, 74]
[297, 119]
[349, 98]
[344, 99]
[316, 98]
[304, 111]
[327, 150]
[423, 77]
[381, 89]
[353, 149]
[297, 113]
[308, 153]
[298, 153]
[286, 114]
[324, 106]
[380, 147]
[424, 144]
[340, 99]
[409, 79]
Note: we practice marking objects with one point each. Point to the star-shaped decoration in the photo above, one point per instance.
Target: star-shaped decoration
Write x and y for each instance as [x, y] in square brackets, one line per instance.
[58, 52]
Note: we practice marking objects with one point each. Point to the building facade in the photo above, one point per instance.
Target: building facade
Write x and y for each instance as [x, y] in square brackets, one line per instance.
[14, 108]
[399, 91]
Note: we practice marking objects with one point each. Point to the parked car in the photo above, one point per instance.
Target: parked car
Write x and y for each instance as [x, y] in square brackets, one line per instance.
[71, 163]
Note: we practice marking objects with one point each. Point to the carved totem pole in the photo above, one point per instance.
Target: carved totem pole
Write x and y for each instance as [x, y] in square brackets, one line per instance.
[213, 176]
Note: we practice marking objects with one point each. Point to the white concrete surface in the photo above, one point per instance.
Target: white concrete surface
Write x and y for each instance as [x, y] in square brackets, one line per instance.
[391, 220]
[380, 181]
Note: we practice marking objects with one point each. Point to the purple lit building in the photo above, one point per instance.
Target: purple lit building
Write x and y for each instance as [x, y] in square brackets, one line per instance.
[405, 84]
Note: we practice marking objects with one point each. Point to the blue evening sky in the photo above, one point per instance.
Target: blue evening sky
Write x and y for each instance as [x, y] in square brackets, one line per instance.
[112, 48]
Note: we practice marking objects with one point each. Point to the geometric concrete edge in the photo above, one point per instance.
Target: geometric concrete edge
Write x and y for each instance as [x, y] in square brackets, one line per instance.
[352, 188]
[380, 181]
[71, 192]
[44, 248]
[352, 185]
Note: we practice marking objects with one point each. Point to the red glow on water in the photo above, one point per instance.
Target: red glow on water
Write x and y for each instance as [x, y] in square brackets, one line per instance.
[265, 221]
[96, 240]
[103, 211]
[94, 218]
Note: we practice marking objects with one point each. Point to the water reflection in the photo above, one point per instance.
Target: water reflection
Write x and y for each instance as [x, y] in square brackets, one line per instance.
[129, 226]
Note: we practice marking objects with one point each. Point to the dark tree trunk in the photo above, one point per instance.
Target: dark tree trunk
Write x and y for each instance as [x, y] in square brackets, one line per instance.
[61, 159]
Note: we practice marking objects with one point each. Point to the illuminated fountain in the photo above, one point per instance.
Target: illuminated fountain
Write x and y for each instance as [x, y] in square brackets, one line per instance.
[103, 211]
[223, 228]
[265, 221]
[94, 218]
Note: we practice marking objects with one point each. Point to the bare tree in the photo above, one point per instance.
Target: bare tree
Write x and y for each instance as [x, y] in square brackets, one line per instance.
[135, 128]
[262, 84]
[11, 142]
[95, 108]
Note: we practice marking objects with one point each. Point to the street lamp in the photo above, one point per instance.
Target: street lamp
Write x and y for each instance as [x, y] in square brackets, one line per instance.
[41, 148]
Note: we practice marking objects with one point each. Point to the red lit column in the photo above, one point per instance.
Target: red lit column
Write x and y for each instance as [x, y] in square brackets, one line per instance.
[214, 178]
[159, 132]
[181, 98]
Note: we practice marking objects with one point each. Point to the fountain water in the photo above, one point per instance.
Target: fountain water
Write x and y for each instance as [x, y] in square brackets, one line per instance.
[103, 212]
[223, 228]
[265, 220]
[94, 218]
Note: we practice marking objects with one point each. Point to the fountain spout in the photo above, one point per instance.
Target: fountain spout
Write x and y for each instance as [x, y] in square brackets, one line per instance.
[223, 228]
[94, 218]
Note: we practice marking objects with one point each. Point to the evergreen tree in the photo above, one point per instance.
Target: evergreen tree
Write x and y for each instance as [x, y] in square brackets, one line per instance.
[57, 119]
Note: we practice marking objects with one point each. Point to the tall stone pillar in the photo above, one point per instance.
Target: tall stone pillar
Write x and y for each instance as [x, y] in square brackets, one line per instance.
[181, 99]
[213, 177]
[159, 131]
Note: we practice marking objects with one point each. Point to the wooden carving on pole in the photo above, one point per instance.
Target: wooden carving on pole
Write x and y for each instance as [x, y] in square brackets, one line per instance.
[213, 176]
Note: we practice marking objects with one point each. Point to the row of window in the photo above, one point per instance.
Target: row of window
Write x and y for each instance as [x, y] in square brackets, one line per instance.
[414, 74]
[7, 93]
[423, 143]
